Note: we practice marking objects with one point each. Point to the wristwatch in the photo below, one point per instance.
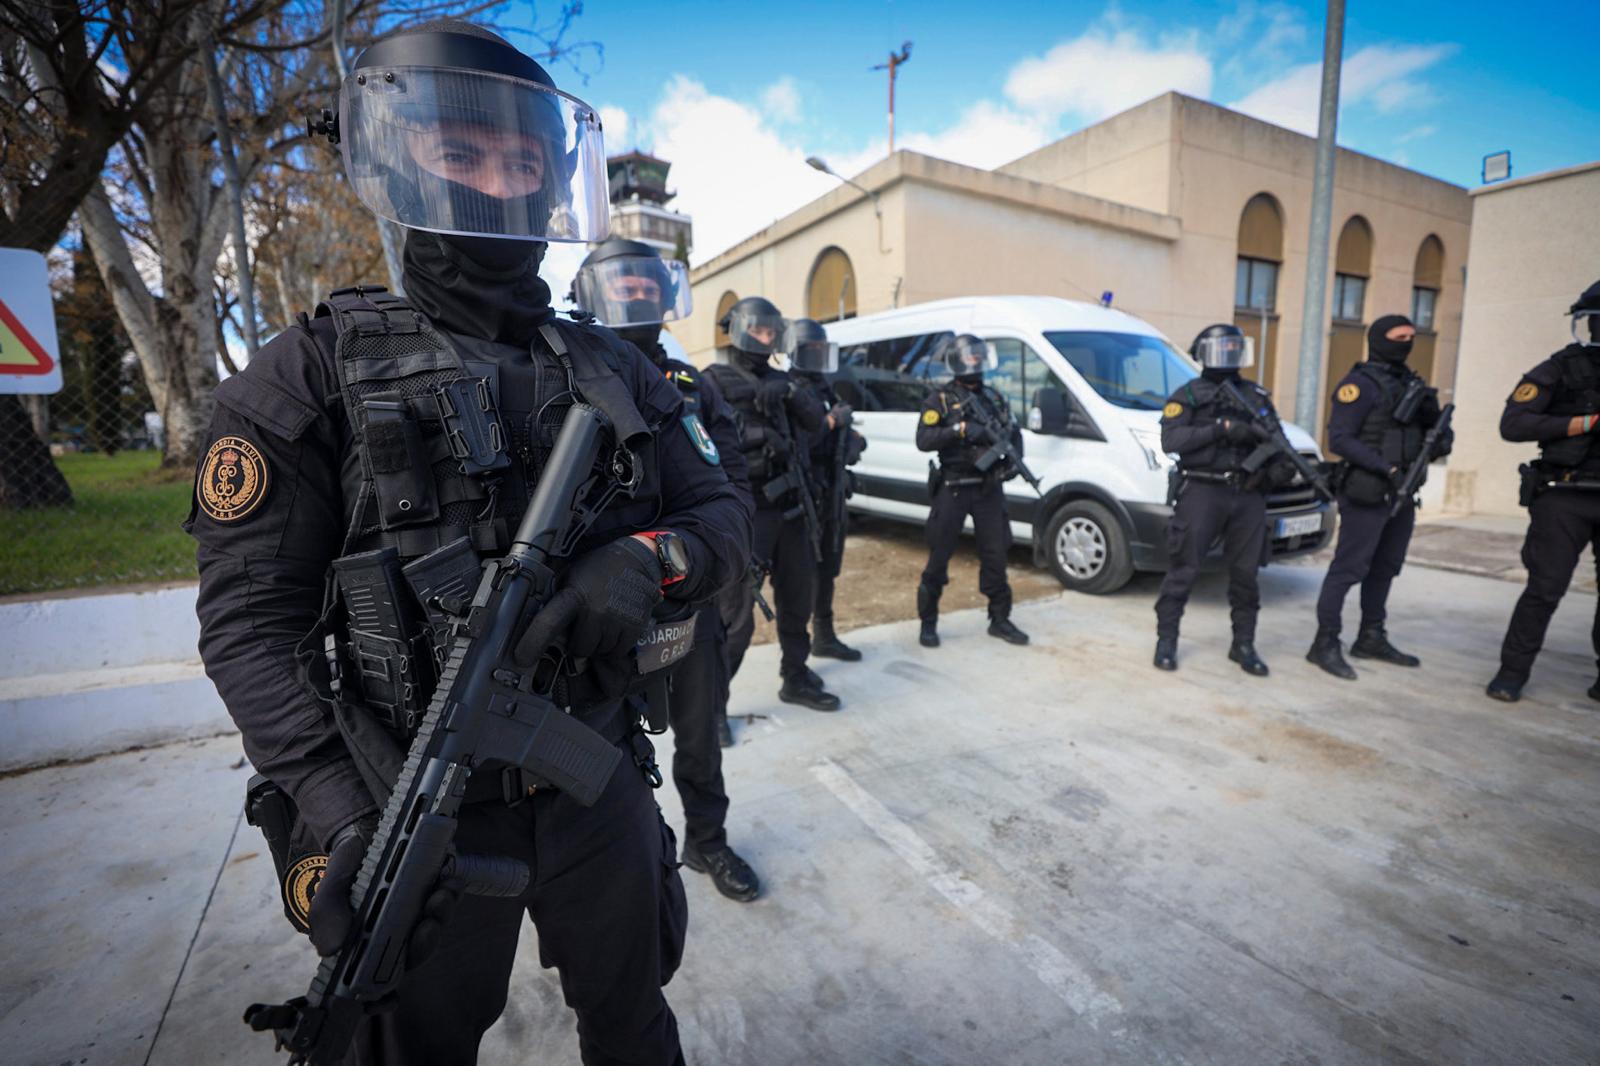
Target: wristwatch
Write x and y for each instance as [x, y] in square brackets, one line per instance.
[671, 553]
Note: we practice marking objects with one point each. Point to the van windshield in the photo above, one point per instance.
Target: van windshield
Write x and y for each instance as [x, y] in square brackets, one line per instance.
[1127, 369]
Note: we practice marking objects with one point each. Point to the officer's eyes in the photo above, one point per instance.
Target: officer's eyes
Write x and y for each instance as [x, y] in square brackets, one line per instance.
[458, 159]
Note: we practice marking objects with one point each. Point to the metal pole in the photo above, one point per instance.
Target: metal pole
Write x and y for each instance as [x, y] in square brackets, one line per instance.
[1308, 380]
[892, 65]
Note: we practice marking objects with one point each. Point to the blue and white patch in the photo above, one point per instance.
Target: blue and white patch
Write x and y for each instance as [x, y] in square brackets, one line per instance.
[701, 439]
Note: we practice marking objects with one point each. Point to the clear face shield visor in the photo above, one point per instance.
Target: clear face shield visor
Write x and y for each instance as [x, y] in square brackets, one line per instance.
[634, 291]
[811, 356]
[1588, 333]
[756, 333]
[969, 357]
[465, 152]
[1225, 353]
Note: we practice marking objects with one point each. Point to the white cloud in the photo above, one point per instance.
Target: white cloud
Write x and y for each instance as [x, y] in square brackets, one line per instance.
[733, 172]
[1417, 134]
[1107, 70]
[614, 125]
[780, 101]
[1381, 75]
[986, 135]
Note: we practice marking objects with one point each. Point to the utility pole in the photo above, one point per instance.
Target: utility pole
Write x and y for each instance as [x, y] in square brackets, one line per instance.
[1308, 380]
[904, 56]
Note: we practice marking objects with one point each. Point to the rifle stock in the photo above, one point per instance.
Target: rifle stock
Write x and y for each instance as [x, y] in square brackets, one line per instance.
[484, 708]
[1001, 451]
[1419, 466]
[1278, 441]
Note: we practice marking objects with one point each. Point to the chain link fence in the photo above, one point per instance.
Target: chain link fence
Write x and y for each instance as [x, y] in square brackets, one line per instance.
[84, 499]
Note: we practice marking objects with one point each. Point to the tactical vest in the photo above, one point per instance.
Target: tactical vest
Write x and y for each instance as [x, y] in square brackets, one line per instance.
[686, 379]
[439, 477]
[740, 388]
[1577, 392]
[959, 458]
[1209, 403]
[1381, 431]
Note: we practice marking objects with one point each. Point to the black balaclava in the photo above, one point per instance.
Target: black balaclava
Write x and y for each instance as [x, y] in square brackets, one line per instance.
[1384, 350]
[484, 287]
[1220, 373]
[752, 361]
[646, 338]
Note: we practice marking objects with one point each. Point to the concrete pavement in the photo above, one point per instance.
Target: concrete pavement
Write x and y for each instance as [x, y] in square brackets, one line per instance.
[994, 854]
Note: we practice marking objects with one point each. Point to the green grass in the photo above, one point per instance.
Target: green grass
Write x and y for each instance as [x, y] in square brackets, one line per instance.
[123, 527]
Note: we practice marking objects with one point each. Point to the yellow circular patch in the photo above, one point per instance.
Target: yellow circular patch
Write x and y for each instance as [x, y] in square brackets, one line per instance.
[1349, 393]
[300, 885]
[1172, 410]
[233, 479]
[930, 418]
[1525, 392]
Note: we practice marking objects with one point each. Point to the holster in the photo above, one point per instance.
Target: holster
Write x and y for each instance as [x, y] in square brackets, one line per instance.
[296, 858]
[1532, 483]
[935, 478]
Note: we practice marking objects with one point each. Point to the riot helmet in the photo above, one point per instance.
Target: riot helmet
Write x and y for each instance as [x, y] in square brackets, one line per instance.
[809, 350]
[755, 326]
[626, 283]
[1387, 349]
[447, 127]
[1223, 347]
[1587, 306]
[967, 357]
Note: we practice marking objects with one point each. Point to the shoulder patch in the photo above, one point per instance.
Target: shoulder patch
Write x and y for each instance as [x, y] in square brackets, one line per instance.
[1172, 410]
[930, 417]
[1525, 392]
[701, 439]
[233, 480]
[1349, 392]
[299, 886]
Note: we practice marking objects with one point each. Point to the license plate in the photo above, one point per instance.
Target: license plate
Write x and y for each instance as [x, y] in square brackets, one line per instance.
[1299, 525]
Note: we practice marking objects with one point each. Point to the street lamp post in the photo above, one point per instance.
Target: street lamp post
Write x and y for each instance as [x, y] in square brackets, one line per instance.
[817, 163]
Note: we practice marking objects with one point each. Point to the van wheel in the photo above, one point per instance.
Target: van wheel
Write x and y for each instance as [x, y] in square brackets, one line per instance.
[1087, 549]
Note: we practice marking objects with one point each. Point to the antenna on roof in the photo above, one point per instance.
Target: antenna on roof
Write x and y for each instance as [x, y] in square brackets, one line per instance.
[893, 64]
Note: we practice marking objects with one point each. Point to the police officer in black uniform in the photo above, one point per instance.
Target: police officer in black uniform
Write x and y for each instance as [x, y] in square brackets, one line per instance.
[1557, 404]
[1382, 410]
[627, 286]
[402, 427]
[809, 347]
[1212, 435]
[956, 420]
[766, 401]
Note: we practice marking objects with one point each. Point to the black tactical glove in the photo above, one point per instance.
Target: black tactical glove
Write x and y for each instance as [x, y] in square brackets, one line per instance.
[602, 609]
[774, 392]
[978, 433]
[1240, 432]
[333, 916]
[842, 414]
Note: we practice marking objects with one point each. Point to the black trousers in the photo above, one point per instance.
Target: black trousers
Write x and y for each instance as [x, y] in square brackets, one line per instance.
[1371, 550]
[608, 906]
[785, 545]
[828, 570]
[1205, 511]
[1563, 522]
[697, 698]
[986, 503]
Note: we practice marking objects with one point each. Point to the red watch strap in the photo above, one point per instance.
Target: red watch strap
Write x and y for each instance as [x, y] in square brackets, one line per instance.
[655, 535]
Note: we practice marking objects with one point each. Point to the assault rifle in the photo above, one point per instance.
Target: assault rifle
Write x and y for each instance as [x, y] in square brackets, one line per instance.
[785, 445]
[839, 488]
[1419, 466]
[484, 709]
[757, 573]
[1274, 443]
[1002, 450]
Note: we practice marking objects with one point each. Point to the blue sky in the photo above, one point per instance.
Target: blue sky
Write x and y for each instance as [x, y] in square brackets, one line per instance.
[729, 90]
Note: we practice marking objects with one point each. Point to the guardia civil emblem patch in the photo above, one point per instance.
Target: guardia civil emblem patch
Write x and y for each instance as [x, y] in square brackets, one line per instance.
[930, 418]
[1349, 392]
[1172, 410]
[1525, 392]
[299, 886]
[232, 481]
[701, 439]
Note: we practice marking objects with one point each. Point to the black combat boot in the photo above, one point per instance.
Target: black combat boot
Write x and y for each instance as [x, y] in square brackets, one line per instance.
[731, 874]
[1373, 643]
[928, 611]
[1507, 686]
[1166, 653]
[805, 688]
[826, 643]
[1594, 691]
[1003, 628]
[1243, 652]
[1325, 652]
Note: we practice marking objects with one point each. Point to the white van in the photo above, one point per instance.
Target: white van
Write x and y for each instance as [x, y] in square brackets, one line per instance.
[1089, 383]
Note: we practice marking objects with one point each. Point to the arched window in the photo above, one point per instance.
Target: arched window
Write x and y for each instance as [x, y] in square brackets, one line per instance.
[1427, 278]
[1352, 266]
[1255, 284]
[831, 289]
[724, 305]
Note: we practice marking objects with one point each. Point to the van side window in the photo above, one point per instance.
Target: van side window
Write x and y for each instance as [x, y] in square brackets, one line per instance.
[890, 375]
[1021, 373]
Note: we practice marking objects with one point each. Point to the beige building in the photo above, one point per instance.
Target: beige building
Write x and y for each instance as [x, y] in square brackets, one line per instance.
[1186, 212]
[1535, 247]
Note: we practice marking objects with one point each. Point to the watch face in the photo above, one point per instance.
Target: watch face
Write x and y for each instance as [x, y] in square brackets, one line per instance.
[677, 554]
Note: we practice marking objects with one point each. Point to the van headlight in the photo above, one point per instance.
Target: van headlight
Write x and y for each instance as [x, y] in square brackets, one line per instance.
[1149, 442]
